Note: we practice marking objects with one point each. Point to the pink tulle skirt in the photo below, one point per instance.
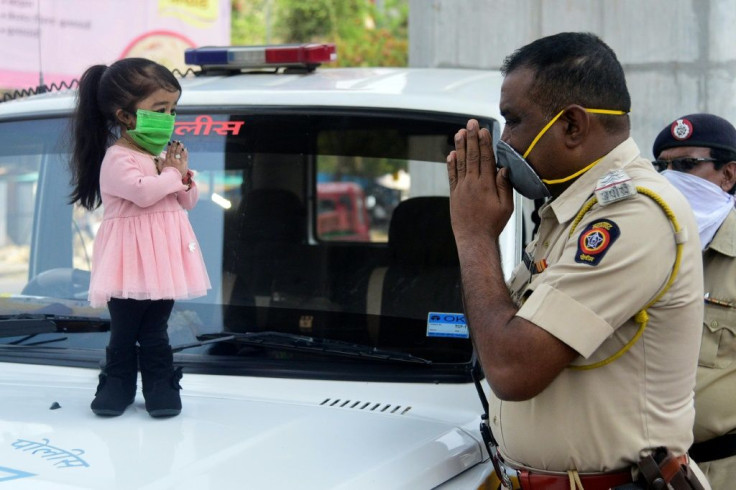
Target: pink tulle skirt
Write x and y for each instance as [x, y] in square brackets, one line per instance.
[150, 256]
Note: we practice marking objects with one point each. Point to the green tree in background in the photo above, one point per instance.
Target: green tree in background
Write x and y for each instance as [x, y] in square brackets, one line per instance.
[249, 22]
[366, 32]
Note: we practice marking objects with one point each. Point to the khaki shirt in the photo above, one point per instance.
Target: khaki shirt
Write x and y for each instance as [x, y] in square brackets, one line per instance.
[715, 391]
[601, 419]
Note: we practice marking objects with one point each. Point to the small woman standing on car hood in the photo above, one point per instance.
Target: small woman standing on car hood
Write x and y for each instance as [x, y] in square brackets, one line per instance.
[145, 253]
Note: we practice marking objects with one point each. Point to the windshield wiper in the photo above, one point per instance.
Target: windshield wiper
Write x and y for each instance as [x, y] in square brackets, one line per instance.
[27, 326]
[303, 343]
[24, 340]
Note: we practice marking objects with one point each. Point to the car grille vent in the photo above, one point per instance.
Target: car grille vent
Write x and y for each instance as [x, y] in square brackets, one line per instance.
[367, 406]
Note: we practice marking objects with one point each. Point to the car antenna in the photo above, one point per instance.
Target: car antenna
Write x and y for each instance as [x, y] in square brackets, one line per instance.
[41, 85]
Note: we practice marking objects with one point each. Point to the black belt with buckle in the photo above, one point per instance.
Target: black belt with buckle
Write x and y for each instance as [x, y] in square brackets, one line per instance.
[720, 447]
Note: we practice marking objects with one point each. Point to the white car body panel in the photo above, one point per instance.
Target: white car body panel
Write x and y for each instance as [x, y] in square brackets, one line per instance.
[263, 432]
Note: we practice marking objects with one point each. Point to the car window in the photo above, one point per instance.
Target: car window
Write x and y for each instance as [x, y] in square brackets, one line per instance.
[26, 148]
[323, 223]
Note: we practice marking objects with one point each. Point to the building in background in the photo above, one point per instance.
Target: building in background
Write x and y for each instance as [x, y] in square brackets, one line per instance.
[53, 41]
[678, 55]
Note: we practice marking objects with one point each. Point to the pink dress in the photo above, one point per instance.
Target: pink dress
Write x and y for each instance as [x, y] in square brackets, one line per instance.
[145, 247]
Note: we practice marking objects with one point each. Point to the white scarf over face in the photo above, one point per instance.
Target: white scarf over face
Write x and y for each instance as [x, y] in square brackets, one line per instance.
[709, 202]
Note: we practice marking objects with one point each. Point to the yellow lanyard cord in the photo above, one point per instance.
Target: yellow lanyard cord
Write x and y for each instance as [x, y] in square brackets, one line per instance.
[541, 133]
[570, 177]
[574, 478]
[546, 127]
[642, 318]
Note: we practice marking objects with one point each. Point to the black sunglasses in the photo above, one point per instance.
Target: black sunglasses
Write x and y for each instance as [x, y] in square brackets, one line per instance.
[681, 164]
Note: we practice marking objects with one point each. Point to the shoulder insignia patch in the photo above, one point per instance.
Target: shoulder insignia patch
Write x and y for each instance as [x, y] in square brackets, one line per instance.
[595, 240]
[615, 186]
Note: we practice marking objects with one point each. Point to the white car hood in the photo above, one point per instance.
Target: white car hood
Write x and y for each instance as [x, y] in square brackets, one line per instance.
[232, 432]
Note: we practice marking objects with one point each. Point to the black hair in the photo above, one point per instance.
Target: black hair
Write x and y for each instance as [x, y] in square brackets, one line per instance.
[102, 91]
[574, 68]
[722, 157]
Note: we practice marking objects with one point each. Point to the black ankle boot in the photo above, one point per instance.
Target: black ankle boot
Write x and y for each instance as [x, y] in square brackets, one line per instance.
[160, 381]
[117, 385]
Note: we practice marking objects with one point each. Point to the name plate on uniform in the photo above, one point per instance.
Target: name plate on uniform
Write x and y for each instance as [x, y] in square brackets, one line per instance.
[447, 325]
[615, 186]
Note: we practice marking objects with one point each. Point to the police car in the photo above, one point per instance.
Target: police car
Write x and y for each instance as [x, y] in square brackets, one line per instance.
[325, 356]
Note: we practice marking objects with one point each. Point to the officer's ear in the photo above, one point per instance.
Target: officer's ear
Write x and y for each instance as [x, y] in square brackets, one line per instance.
[577, 125]
[728, 176]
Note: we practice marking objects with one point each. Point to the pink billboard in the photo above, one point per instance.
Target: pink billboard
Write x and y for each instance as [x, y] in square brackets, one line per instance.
[56, 40]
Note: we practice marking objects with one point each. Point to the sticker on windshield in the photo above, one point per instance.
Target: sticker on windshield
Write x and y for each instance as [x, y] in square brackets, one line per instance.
[447, 325]
[205, 125]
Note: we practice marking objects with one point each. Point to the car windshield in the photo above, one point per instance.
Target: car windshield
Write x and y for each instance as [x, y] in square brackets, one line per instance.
[329, 225]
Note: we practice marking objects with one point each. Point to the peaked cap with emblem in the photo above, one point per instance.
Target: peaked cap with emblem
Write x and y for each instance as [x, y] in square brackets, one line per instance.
[702, 130]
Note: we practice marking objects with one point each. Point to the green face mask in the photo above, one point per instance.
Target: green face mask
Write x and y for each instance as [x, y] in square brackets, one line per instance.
[152, 130]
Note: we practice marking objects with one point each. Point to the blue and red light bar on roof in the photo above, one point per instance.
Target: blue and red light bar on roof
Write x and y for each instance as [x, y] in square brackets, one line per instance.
[273, 56]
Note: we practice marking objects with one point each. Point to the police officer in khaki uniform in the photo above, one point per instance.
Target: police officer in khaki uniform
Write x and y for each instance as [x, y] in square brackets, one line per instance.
[697, 153]
[591, 350]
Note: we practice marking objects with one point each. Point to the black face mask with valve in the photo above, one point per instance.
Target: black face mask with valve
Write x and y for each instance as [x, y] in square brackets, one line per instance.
[522, 176]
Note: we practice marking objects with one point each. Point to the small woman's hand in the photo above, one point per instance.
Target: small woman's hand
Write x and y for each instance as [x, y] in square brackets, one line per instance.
[177, 156]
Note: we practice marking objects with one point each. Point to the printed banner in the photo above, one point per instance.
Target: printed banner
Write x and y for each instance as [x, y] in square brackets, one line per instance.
[56, 40]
